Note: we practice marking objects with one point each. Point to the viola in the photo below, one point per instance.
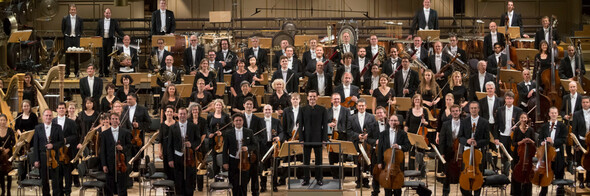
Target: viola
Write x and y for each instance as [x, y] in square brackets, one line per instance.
[51, 161]
[5, 165]
[64, 155]
[523, 169]
[543, 175]
[219, 138]
[189, 156]
[277, 146]
[348, 102]
[136, 132]
[391, 176]
[120, 156]
[335, 134]
[244, 160]
[471, 177]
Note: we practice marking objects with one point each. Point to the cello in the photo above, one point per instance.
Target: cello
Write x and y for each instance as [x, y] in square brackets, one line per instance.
[391, 177]
[543, 174]
[454, 164]
[523, 169]
[471, 177]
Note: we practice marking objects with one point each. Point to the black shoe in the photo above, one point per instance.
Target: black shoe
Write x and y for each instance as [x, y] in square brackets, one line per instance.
[366, 186]
[77, 75]
[581, 185]
[263, 189]
[275, 189]
[305, 183]
[358, 186]
[588, 184]
[319, 182]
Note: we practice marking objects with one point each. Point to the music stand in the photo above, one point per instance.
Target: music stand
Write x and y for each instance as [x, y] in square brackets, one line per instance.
[19, 36]
[220, 89]
[523, 53]
[91, 42]
[566, 85]
[169, 40]
[184, 89]
[135, 76]
[511, 76]
[513, 31]
[295, 149]
[324, 101]
[188, 79]
[418, 141]
[264, 43]
[433, 34]
[347, 147]
[480, 95]
[302, 40]
[403, 103]
[219, 16]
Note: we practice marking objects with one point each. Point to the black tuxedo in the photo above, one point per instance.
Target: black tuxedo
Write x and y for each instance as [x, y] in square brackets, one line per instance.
[176, 71]
[70, 133]
[96, 89]
[229, 66]
[516, 20]
[419, 21]
[156, 28]
[523, 91]
[40, 155]
[474, 84]
[342, 122]
[261, 59]
[431, 63]
[370, 126]
[501, 119]
[71, 40]
[388, 66]
[354, 70]
[263, 136]
[340, 55]
[484, 108]
[107, 158]
[291, 82]
[183, 186]
[193, 61]
[463, 56]
[493, 65]
[488, 48]
[290, 120]
[313, 127]
[310, 68]
[566, 105]
[113, 28]
[230, 146]
[143, 120]
[423, 54]
[370, 54]
[354, 91]
[356, 61]
[134, 59]
[307, 57]
[482, 132]
[540, 35]
[161, 62]
[413, 83]
[401, 139]
[558, 142]
[313, 84]
[447, 138]
[565, 67]
[579, 125]
[277, 57]
[107, 43]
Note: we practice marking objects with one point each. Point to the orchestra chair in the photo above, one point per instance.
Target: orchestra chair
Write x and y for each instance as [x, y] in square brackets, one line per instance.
[33, 181]
[498, 182]
[98, 178]
[157, 180]
[94, 172]
[222, 185]
[560, 182]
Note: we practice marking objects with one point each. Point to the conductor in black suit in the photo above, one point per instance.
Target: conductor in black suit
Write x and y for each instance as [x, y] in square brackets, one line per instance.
[571, 66]
[70, 134]
[478, 136]
[424, 19]
[183, 135]
[91, 86]
[107, 27]
[543, 34]
[48, 136]
[192, 56]
[71, 27]
[491, 39]
[163, 21]
[514, 18]
[108, 144]
[313, 128]
[406, 80]
[260, 54]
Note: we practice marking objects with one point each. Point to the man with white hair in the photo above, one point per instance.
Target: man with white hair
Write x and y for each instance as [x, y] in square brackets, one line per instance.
[193, 55]
[489, 105]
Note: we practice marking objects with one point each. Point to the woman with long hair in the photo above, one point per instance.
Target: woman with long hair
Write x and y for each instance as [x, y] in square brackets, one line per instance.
[117, 108]
[27, 120]
[209, 77]
[217, 120]
[429, 88]
[163, 137]
[171, 97]
[195, 118]
[416, 118]
[254, 69]
[29, 89]
[7, 140]
[106, 103]
[457, 88]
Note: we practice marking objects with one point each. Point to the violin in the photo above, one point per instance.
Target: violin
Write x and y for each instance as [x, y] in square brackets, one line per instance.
[136, 132]
[335, 134]
[543, 175]
[64, 155]
[523, 169]
[189, 156]
[348, 102]
[51, 161]
[5, 165]
[219, 139]
[121, 165]
[294, 133]
[277, 148]
[366, 146]
[471, 177]
[391, 176]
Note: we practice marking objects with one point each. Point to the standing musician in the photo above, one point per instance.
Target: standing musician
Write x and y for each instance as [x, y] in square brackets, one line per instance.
[543, 34]
[393, 62]
[226, 57]
[455, 49]
[272, 133]
[384, 95]
[479, 139]
[310, 54]
[372, 82]
[163, 21]
[362, 127]
[260, 54]
[91, 86]
[416, 118]
[554, 133]
[514, 18]
[394, 137]
[237, 141]
[7, 141]
[313, 128]
[106, 29]
[338, 117]
[48, 138]
[278, 54]
[373, 49]
[209, 78]
[135, 116]
[320, 81]
[346, 89]
[424, 19]
[522, 134]
[477, 82]
[429, 89]
[238, 105]
[71, 28]
[406, 80]
[421, 53]
[254, 123]
[382, 125]
[457, 89]
[489, 105]
[581, 125]
[289, 76]
[490, 40]
[506, 118]
[70, 135]
[217, 120]
[572, 102]
[449, 133]
[114, 141]
[127, 65]
[361, 60]
[496, 60]
[193, 56]
[164, 140]
[526, 88]
[569, 67]
[184, 137]
[310, 68]
[347, 66]
[293, 63]
[290, 122]
[437, 61]
[344, 48]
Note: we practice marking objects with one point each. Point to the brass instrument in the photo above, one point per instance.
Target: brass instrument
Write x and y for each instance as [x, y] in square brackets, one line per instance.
[414, 63]
[167, 76]
[155, 63]
[380, 54]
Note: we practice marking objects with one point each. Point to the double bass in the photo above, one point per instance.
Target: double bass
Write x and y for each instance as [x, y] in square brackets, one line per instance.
[455, 163]
[471, 177]
[550, 77]
[543, 175]
[391, 176]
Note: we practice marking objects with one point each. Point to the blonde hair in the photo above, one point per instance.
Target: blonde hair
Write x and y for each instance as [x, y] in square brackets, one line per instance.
[452, 81]
[277, 81]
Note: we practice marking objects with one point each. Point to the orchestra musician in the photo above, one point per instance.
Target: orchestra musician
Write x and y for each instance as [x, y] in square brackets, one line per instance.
[569, 67]
[113, 141]
[170, 68]
[310, 68]
[71, 28]
[160, 53]
[572, 102]
[206, 73]
[393, 62]
[47, 137]
[449, 131]
[163, 21]
[506, 117]
[129, 64]
[416, 118]
[345, 47]
[543, 34]
[496, 60]
[421, 53]
[195, 118]
[70, 135]
[292, 61]
[543, 58]
[282, 52]
[479, 139]
[106, 28]
[183, 135]
[394, 138]
[477, 82]
[91, 86]
[123, 91]
[346, 89]
[362, 127]
[309, 54]
[453, 41]
[171, 97]
[554, 133]
[361, 60]
[8, 141]
[217, 120]
[226, 57]
[457, 88]
[488, 106]
[429, 89]
[254, 123]
[445, 113]
[384, 95]
[526, 88]
[256, 70]
[490, 40]
[372, 82]
[279, 98]
[424, 19]
[201, 96]
[313, 128]
[320, 81]
[137, 118]
[373, 49]
[238, 76]
[382, 125]
[514, 18]
[260, 54]
[164, 139]
[290, 121]
[193, 56]
[437, 61]
[406, 80]
[521, 134]
[581, 125]
[347, 66]
[288, 75]
[236, 141]
[266, 139]
[239, 101]
[338, 117]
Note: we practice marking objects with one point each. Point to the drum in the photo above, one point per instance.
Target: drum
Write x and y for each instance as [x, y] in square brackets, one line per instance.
[475, 47]
[351, 32]
[182, 43]
[462, 43]
[524, 43]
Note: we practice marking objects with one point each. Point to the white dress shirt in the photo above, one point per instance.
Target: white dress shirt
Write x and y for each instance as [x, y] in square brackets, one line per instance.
[546, 34]
[335, 112]
[290, 63]
[268, 123]
[312, 52]
[438, 61]
[295, 113]
[248, 119]
[61, 121]
[455, 127]
[239, 137]
[374, 82]
[132, 112]
[405, 74]
[183, 127]
[107, 26]
[510, 15]
[587, 122]
[392, 134]
[374, 50]
[73, 25]
[163, 20]
[346, 90]
[482, 82]
[255, 50]
[491, 101]
[321, 84]
[494, 38]
[498, 58]
[48, 130]
[361, 119]
[194, 53]
[426, 17]
[573, 102]
[573, 64]
[361, 63]
[91, 85]
[508, 121]
[115, 131]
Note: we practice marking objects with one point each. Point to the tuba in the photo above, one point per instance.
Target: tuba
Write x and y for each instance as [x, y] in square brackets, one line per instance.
[414, 63]
[458, 64]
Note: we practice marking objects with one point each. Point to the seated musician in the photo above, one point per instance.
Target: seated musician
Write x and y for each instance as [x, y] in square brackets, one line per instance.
[554, 133]
[47, 137]
[522, 134]
[372, 82]
[457, 88]
[571, 65]
[320, 81]
[158, 56]
[273, 133]
[424, 19]
[169, 68]
[373, 49]
[514, 18]
[526, 88]
[240, 75]
[437, 61]
[226, 57]
[406, 80]
[193, 56]
[477, 81]
[347, 66]
[362, 61]
[256, 70]
[345, 47]
[279, 98]
[395, 138]
[581, 125]
[455, 50]
[416, 118]
[572, 102]
[338, 117]
[282, 52]
[201, 96]
[478, 139]
[8, 143]
[310, 54]
[70, 134]
[543, 34]
[310, 68]
[393, 62]
[490, 40]
[449, 132]
[210, 75]
[183, 136]
[496, 60]
[489, 105]
[129, 63]
[237, 141]
[289, 76]
[119, 139]
[346, 89]
[506, 117]
[238, 106]
[362, 127]
[420, 53]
